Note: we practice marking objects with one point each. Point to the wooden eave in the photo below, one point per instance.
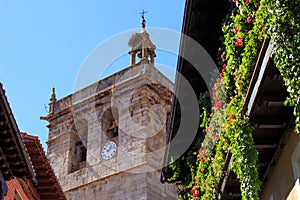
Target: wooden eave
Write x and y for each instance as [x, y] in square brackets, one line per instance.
[48, 186]
[14, 161]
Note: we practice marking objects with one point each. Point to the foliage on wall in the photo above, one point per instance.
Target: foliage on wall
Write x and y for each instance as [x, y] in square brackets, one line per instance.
[225, 128]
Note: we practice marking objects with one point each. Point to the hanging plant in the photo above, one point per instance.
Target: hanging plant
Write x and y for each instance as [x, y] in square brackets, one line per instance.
[227, 129]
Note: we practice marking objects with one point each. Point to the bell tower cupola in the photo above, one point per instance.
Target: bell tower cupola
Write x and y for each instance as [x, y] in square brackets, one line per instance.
[141, 45]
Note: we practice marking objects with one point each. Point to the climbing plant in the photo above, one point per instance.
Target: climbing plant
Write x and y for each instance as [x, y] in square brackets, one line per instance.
[225, 128]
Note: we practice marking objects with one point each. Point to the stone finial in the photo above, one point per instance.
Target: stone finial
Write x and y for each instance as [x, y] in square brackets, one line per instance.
[52, 101]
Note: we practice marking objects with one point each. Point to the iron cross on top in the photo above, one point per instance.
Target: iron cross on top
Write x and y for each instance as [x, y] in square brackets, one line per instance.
[143, 21]
[143, 13]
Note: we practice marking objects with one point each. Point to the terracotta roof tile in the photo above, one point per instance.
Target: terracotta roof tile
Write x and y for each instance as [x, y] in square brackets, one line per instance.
[48, 186]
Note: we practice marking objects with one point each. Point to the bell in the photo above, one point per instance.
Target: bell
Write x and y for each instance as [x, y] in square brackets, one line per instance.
[139, 55]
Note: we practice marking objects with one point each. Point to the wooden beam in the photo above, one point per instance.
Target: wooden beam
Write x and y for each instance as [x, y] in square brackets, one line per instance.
[270, 119]
[265, 146]
[48, 195]
[48, 191]
[227, 175]
[275, 103]
[45, 180]
[45, 187]
[41, 171]
[271, 126]
[253, 90]
[263, 164]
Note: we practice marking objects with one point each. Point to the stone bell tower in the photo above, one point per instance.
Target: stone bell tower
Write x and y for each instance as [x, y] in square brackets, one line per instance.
[106, 141]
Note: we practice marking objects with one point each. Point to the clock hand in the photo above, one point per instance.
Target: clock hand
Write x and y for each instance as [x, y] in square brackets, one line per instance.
[110, 146]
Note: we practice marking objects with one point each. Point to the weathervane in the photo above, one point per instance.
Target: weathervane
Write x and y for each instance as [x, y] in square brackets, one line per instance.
[143, 18]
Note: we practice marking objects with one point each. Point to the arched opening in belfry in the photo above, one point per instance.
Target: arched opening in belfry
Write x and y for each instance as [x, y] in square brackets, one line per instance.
[110, 122]
[78, 145]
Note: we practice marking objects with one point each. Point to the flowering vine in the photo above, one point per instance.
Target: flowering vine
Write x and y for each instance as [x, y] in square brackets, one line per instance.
[225, 129]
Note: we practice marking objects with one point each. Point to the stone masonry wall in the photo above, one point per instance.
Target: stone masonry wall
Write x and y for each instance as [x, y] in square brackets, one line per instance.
[142, 98]
[125, 186]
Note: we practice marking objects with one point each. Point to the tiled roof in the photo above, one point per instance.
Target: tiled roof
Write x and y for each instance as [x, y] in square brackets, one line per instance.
[48, 186]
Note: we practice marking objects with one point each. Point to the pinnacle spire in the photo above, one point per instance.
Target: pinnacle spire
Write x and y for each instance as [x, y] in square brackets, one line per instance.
[52, 101]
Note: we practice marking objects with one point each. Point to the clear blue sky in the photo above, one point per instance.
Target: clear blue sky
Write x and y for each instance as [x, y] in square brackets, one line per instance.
[44, 43]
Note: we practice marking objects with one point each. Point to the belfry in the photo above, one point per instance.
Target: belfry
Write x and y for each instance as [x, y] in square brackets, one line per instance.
[106, 141]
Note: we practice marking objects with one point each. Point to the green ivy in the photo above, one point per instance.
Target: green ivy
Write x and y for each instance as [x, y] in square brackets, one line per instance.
[227, 129]
[284, 31]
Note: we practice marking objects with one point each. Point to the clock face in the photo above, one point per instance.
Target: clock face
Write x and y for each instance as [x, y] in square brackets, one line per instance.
[109, 150]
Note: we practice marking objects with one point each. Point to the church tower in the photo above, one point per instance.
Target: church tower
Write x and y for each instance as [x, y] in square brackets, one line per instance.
[106, 141]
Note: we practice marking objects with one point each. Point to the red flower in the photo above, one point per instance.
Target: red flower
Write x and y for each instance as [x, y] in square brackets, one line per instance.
[235, 30]
[233, 1]
[221, 74]
[239, 42]
[218, 104]
[202, 170]
[257, 4]
[247, 2]
[195, 191]
[223, 55]
[224, 66]
[249, 19]
[201, 154]
[214, 134]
